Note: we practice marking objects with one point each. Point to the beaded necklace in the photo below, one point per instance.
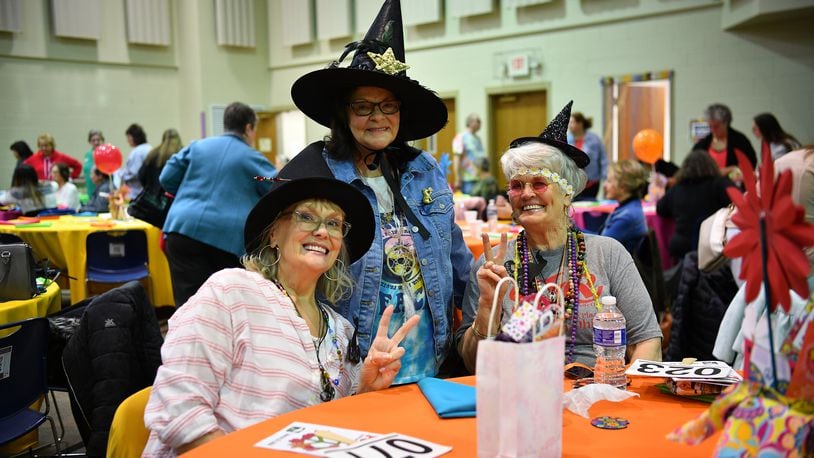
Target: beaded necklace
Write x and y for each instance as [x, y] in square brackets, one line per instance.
[576, 268]
[327, 384]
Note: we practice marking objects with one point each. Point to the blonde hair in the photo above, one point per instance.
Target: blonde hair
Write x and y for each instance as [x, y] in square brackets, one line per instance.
[631, 176]
[335, 284]
[48, 138]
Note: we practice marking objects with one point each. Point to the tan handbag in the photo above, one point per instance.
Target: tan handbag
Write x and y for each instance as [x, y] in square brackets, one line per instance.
[712, 239]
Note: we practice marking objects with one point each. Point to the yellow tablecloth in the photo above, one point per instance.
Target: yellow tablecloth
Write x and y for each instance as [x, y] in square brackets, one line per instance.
[41, 305]
[63, 242]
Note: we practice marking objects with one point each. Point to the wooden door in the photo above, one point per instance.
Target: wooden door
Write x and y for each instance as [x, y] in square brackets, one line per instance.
[513, 115]
[266, 139]
[642, 106]
[441, 142]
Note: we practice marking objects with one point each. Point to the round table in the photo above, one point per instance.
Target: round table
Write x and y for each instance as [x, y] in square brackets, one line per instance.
[40, 305]
[403, 409]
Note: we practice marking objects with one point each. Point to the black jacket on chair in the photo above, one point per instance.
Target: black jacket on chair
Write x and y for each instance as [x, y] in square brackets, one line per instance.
[115, 352]
[699, 307]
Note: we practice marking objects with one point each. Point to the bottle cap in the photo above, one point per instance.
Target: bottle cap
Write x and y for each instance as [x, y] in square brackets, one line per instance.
[608, 300]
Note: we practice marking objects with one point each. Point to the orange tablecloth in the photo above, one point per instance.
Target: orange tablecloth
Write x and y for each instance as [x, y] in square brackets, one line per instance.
[62, 241]
[404, 410]
[475, 244]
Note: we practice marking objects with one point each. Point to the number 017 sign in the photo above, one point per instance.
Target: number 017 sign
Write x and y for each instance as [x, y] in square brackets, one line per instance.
[696, 370]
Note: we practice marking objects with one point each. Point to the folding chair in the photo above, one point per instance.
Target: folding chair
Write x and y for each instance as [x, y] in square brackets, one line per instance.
[128, 435]
[117, 257]
[23, 379]
[594, 221]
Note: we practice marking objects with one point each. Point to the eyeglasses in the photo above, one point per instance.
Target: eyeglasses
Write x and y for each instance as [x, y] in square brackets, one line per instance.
[310, 222]
[365, 108]
[516, 187]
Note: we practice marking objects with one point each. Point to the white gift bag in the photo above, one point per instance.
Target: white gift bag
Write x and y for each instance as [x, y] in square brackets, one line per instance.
[520, 395]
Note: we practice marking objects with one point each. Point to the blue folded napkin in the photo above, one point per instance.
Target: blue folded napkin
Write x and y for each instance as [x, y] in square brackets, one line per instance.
[449, 399]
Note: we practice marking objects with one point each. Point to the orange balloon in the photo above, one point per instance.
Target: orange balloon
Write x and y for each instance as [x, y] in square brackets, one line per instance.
[648, 145]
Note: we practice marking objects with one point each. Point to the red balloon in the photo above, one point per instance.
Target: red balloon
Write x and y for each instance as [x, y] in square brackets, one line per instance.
[648, 145]
[107, 158]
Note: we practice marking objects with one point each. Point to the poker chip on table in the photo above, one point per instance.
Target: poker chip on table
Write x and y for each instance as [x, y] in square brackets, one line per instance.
[610, 422]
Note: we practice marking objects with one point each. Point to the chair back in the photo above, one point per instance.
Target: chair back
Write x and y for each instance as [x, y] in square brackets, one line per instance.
[594, 221]
[112, 251]
[56, 211]
[23, 347]
[23, 350]
[648, 261]
[128, 435]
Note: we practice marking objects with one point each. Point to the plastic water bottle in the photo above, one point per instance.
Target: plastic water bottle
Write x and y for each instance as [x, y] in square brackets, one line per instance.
[491, 215]
[610, 343]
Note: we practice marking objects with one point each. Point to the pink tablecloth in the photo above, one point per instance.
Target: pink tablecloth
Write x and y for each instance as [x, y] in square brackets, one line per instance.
[663, 227]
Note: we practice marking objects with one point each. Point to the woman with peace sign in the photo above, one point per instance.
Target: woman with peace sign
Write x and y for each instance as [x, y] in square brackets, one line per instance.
[252, 344]
[544, 174]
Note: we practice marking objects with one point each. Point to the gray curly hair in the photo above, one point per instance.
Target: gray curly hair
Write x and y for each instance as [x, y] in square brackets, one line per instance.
[540, 155]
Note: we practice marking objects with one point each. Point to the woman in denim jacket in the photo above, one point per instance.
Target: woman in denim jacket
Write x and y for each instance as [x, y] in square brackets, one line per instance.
[419, 262]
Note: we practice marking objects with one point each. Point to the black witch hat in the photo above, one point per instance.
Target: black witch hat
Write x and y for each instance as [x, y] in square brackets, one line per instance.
[555, 135]
[378, 61]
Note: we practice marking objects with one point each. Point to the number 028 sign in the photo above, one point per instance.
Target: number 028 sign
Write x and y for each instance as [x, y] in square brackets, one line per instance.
[699, 369]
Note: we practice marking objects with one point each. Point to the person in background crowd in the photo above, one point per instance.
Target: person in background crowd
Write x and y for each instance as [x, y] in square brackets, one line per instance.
[699, 191]
[67, 194]
[597, 169]
[99, 201]
[544, 173]
[44, 159]
[129, 173]
[28, 193]
[95, 138]
[486, 186]
[258, 342]
[722, 141]
[214, 188]
[21, 152]
[467, 148]
[772, 137]
[153, 164]
[626, 183]
[419, 261]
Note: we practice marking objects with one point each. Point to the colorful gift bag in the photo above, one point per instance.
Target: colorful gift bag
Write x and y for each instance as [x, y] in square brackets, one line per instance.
[520, 397]
[766, 425]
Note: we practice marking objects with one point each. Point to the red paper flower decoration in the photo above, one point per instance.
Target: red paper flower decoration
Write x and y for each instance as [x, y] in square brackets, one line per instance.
[786, 234]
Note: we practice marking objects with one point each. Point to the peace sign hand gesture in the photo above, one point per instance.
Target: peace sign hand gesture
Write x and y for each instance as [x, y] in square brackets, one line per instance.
[492, 270]
[383, 360]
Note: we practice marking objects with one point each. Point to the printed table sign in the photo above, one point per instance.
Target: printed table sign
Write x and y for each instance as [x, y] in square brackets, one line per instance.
[698, 371]
[320, 440]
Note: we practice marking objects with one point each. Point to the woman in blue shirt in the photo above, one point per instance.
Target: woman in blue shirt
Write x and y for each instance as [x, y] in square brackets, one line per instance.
[418, 261]
[627, 182]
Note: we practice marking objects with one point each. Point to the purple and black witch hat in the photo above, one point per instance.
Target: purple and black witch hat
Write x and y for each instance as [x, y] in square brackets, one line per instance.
[379, 61]
[555, 134]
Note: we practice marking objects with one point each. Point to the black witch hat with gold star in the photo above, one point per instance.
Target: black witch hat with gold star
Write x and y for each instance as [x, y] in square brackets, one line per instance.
[378, 60]
[555, 134]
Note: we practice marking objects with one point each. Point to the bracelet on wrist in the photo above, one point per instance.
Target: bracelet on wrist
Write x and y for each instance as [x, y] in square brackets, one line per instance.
[478, 334]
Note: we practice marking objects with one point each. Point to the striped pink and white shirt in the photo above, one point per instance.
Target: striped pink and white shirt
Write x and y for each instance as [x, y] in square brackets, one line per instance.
[238, 353]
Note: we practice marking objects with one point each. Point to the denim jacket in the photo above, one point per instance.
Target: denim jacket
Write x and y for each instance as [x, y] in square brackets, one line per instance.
[444, 257]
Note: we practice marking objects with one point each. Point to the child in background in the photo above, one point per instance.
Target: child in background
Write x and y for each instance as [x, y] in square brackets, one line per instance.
[486, 186]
